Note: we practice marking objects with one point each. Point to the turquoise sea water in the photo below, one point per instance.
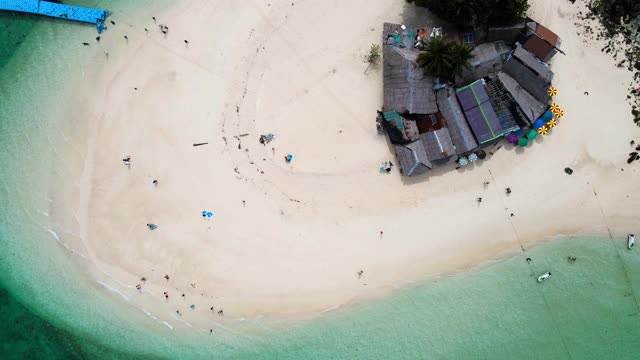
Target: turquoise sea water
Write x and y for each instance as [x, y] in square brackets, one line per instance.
[50, 309]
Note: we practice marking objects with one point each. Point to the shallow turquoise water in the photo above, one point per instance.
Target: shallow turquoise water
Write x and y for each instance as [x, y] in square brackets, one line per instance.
[51, 310]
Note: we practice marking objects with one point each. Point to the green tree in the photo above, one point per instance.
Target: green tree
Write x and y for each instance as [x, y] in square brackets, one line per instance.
[435, 57]
[443, 58]
[374, 54]
[477, 12]
[461, 55]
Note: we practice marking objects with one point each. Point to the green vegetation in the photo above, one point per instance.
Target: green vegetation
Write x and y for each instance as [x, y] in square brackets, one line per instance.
[374, 54]
[476, 12]
[443, 58]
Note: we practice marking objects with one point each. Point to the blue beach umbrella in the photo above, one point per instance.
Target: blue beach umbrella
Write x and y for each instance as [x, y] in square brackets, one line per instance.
[548, 115]
[538, 123]
[209, 214]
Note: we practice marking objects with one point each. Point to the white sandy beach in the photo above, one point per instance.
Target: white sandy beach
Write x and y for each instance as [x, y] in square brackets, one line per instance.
[306, 228]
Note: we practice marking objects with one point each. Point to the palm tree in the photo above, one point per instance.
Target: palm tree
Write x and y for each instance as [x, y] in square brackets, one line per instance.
[460, 55]
[435, 57]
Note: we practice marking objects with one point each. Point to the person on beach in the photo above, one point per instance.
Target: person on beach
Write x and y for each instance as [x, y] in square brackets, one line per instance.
[127, 161]
[166, 277]
[479, 200]
[507, 190]
[155, 182]
[152, 226]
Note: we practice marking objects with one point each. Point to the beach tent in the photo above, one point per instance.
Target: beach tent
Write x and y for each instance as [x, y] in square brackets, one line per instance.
[522, 142]
[532, 134]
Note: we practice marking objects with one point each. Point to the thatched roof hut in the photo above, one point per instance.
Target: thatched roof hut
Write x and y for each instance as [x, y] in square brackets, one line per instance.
[406, 87]
[412, 158]
[536, 85]
[438, 145]
[487, 59]
[530, 107]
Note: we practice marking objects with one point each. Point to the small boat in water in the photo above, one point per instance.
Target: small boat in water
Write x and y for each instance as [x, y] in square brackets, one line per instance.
[544, 276]
[631, 240]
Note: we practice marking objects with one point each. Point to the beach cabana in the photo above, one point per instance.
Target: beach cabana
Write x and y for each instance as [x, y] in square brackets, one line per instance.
[477, 108]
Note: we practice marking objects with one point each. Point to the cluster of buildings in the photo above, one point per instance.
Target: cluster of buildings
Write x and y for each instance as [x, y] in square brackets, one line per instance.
[505, 90]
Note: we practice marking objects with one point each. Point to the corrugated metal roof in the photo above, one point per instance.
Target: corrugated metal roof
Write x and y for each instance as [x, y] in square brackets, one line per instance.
[538, 47]
[534, 84]
[536, 65]
[438, 144]
[530, 107]
[459, 129]
[479, 112]
[548, 35]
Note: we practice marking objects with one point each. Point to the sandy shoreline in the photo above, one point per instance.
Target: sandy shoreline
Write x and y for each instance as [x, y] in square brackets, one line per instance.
[294, 248]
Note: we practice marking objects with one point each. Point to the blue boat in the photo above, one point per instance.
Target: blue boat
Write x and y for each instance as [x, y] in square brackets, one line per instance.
[69, 12]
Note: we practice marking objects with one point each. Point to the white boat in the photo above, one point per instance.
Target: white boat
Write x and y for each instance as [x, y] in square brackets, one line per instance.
[631, 240]
[544, 276]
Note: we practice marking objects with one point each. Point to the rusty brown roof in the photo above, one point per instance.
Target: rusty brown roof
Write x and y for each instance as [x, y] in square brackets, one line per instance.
[538, 47]
[547, 34]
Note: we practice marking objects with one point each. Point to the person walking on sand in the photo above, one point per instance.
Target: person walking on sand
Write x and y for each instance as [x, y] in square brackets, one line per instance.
[152, 226]
[155, 182]
[127, 161]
